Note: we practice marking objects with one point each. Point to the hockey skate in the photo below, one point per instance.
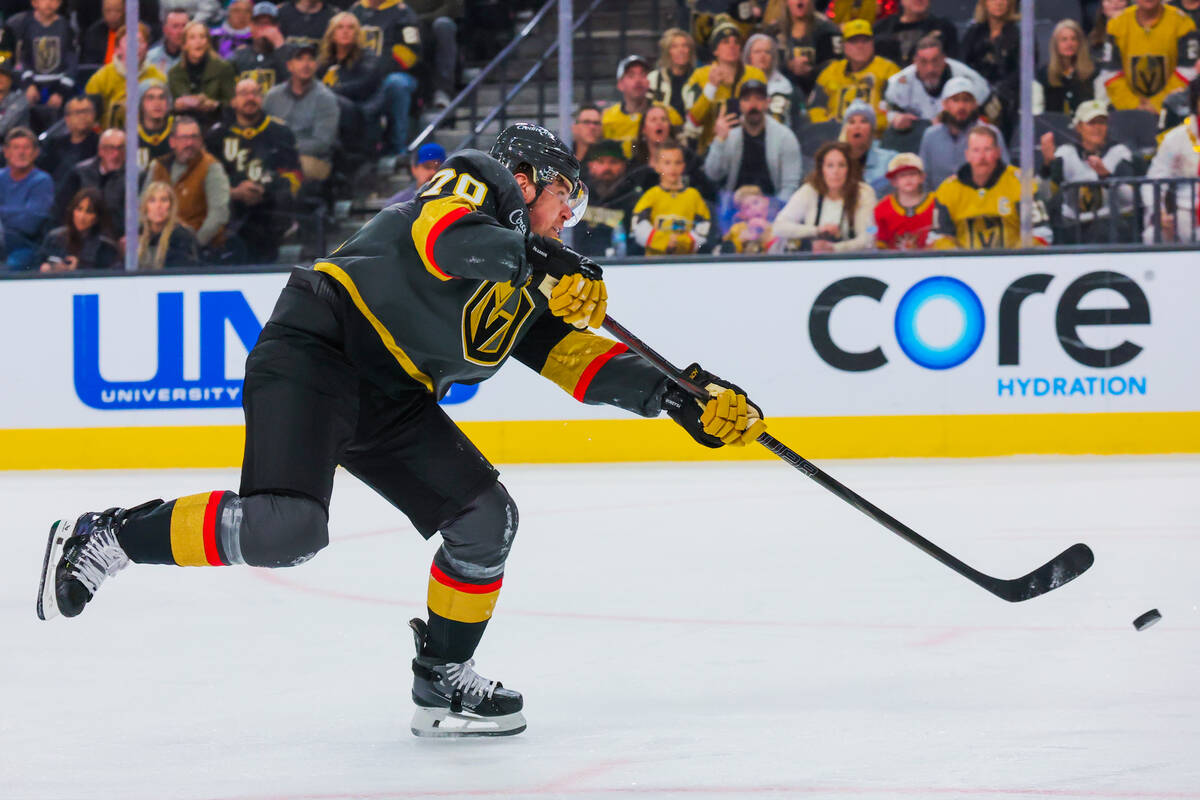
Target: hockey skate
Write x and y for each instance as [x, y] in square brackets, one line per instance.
[454, 701]
[80, 554]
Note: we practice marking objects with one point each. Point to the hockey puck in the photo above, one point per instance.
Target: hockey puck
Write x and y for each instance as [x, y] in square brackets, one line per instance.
[1146, 620]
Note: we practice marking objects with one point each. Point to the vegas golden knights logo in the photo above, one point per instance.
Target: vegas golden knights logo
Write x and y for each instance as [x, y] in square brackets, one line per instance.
[373, 35]
[1091, 199]
[987, 233]
[491, 320]
[265, 78]
[47, 55]
[1149, 74]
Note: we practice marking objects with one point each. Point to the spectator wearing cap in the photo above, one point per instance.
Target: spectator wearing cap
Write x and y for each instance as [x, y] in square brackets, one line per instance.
[944, 146]
[754, 149]
[833, 211]
[1150, 52]
[14, 106]
[620, 121]
[858, 132]
[612, 193]
[202, 82]
[155, 121]
[1086, 209]
[807, 40]
[26, 199]
[1178, 156]
[108, 82]
[263, 60]
[711, 87]
[915, 92]
[861, 75]
[904, 219]
[896, 36]
[587, 129]
[676, 62]
[62, 147]
[169, 49]
[310, 109]
[235, 30]
[760, 51]
[1067, 81]
[104, 172]
[425, 162]
[305, 21]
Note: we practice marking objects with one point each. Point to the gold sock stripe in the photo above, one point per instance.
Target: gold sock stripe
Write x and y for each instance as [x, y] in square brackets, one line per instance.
[461, 602]
[189, 531]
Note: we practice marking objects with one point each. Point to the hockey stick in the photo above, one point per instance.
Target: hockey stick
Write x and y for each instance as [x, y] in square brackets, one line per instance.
[1063, 568]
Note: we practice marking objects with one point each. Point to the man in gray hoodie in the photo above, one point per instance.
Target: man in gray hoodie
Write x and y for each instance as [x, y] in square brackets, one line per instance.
[310, 109]
[751, 148]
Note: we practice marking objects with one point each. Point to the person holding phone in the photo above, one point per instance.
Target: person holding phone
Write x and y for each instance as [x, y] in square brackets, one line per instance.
[84, 240]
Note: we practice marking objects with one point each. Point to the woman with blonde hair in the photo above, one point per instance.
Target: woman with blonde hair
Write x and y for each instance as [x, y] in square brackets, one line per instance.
[163, 241]
[1067, 81]
[344, 63]
[762, 52]
[676, 62]
[833, 210]
[202, 81]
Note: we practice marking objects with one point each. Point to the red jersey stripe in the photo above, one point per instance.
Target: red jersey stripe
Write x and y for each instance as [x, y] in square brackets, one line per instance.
[441, 225]
[585, 380]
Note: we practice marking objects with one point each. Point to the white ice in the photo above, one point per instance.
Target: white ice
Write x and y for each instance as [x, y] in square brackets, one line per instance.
[677, 630]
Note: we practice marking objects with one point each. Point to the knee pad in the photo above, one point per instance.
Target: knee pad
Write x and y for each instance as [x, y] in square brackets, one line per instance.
[279, 530]
[476, 543]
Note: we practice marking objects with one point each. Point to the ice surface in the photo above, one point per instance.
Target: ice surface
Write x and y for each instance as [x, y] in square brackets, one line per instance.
[677, 630]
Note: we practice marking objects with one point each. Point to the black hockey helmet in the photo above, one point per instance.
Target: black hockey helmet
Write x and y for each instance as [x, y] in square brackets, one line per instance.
[547, 157]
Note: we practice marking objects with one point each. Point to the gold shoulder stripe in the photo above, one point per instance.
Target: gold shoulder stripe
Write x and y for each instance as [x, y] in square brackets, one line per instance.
[406, 363]
[436, 216]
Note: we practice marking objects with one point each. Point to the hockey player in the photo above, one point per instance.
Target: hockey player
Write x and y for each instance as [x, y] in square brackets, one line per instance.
[348, 370]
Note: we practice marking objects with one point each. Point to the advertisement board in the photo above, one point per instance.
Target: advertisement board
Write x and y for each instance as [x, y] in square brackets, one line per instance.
[950, 355]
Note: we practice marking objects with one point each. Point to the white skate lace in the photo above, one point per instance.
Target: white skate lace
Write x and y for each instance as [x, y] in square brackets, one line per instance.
[98, 558]
[464, 677]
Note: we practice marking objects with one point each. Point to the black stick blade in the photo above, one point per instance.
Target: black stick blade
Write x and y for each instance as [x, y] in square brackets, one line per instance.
[1062, 569]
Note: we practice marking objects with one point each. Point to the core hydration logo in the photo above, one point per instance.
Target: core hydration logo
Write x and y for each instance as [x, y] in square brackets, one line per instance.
[1068, 319]
[169, 388]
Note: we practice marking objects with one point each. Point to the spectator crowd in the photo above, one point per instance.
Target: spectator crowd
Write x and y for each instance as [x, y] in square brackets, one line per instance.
[759, 126]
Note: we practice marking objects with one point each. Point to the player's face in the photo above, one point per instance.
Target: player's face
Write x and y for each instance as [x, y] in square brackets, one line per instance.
[834, 170]
[909, 181]
[154, 104]
[84, 216]
[20, 153]
[1067, 43]
[112, 151]
[549, 213]
[961, 106]
[670, 166]
[158, 208]
[931, 62]
[859, 49]
[982, 153]
[762, 55]
[680, 51]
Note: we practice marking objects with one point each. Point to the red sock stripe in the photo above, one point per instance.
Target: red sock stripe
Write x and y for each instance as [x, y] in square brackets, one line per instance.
[209, 531]
[469, 588]
[585, 380]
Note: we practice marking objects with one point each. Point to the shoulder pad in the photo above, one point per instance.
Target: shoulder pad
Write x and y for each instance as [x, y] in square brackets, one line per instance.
[503, 198]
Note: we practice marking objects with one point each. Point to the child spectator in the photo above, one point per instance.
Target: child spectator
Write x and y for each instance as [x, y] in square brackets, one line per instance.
[1150, 52]
[108, 83]
[676, 62]
[751, 233]
[163, 241]
[264, 60]
[671, 218]
[14, 107]
[76, 141]
[234, 31]
[760, 51]
[26, 199]
[84, 241]
[202, 81]
[896, 36]
[833, 211]
[48, 55]
[807, 40]
[1068, 80]
[154, 122]
[904, 219]
[861, 75]
[169, 49]
[710, 90]
[621, 120]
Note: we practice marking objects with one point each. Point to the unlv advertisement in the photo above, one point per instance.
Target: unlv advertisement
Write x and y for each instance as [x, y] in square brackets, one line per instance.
[942, 335]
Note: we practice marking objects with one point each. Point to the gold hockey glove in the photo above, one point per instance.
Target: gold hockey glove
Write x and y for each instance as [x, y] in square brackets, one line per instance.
[728, 417]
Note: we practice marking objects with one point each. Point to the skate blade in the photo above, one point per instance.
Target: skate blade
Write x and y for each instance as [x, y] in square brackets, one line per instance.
[47, 602]
[442, 723]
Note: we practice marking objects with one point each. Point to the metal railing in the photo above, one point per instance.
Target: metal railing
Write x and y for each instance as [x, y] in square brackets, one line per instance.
[1128, 208]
